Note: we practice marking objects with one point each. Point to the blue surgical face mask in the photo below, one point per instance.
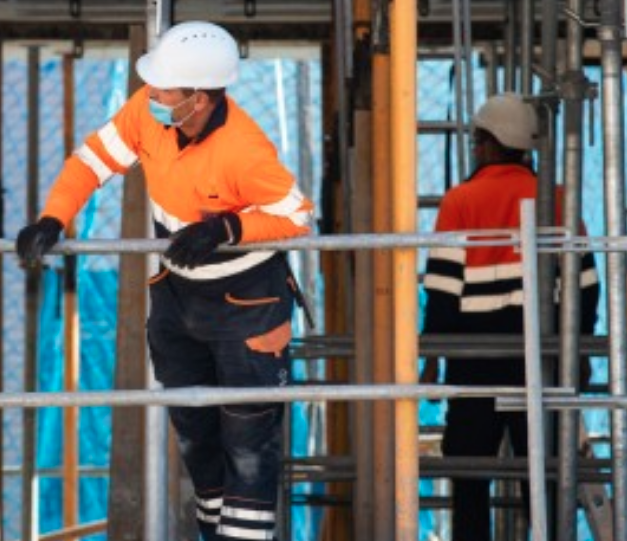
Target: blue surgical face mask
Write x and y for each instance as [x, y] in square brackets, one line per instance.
[164, 113]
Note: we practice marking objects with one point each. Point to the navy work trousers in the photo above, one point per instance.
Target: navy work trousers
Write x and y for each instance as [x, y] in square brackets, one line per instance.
[220, 334]
[475, 429]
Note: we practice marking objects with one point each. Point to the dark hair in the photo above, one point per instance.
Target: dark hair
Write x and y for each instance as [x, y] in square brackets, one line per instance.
[505, 154]
[215, 94]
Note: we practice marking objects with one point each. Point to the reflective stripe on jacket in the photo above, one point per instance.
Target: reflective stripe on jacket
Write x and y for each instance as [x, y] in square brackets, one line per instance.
[235, 169]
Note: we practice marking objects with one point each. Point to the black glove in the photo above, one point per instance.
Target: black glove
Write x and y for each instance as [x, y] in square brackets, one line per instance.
[36, 239]
[191, 245]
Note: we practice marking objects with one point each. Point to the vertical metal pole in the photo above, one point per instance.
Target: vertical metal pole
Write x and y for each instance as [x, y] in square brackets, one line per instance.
[341, 24]
[362, 222]
[30, 495]
[470, 86]
[511, 20]
[71, 329]
[526, 46]
[459, 92]
[404, 25]
[546, 217]
[2, 233]
[610, 36]
[492, 60]
[570, 309]
[127, 506]
[159, 19]
[535, 412]
[383, 350]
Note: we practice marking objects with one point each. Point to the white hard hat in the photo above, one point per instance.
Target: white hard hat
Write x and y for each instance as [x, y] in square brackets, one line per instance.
[193, 54]
[509, 119]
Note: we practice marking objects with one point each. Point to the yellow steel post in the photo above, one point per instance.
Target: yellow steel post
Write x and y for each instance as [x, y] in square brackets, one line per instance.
[403, 24]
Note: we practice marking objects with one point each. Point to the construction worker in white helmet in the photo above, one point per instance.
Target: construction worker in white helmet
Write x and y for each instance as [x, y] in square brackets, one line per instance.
[479, 290]
[217, 318]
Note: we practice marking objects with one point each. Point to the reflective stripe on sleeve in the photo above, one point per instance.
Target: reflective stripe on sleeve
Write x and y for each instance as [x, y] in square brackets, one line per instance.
[446, 284]
[493, 273]
[457, 255]
[588, 278]
[288, 205]
[91, 160]
[301, 219]
[490, 303]
[116, 146]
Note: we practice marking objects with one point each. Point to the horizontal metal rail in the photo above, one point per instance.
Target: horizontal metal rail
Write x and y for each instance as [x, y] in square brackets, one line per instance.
[211, 396]
[460, 346]
[574, 402]
[550, 239]
[369, 241]
[75, 531]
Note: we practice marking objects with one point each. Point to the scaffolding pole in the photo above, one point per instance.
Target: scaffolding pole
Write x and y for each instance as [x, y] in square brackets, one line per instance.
[383, 351]
[404, 29]
[30, 492]
[533, 373]
[570, 268]
[610, 35]
[71, 330]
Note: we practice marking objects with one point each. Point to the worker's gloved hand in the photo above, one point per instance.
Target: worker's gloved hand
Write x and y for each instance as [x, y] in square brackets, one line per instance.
[191, 245]
[35, 240]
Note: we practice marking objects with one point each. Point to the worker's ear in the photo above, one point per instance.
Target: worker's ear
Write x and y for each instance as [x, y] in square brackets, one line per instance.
[202, 101]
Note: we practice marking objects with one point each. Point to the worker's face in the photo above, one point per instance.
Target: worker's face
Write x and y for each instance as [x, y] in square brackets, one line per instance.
[182, 104]
[481, 148]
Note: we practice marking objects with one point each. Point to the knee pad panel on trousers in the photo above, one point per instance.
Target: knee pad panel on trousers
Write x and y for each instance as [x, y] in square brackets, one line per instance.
[251, 437]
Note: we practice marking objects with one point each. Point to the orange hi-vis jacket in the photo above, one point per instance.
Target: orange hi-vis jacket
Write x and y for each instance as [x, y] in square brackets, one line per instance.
[480, 288]
[234, 168]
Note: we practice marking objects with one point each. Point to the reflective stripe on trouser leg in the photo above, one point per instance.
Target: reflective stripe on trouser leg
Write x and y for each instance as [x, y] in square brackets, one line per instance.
[208, 508]
[247, 520]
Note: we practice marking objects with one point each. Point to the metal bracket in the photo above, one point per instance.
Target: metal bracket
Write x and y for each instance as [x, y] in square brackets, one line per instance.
[250, 8]
[75, 8]
[575, 17]
[570, 85]
[424, 8]
[244, 49]
[78, 48]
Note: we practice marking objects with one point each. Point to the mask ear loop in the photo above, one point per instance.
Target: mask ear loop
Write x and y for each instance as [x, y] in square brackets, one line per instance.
[179, 123]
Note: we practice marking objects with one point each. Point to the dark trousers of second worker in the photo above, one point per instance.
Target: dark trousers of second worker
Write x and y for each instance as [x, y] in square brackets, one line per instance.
[475, 429]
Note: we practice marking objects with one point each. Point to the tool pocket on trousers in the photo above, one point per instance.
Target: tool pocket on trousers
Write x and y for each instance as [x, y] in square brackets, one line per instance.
[239, 301]
[273, 341]
[156, 278]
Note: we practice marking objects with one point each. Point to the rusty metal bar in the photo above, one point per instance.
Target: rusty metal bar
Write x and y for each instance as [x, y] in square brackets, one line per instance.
[383, 351]
[30, 492]
[70, 328]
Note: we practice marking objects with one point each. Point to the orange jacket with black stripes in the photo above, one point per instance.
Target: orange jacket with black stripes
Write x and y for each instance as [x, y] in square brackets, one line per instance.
[480, 289]
[232, 167]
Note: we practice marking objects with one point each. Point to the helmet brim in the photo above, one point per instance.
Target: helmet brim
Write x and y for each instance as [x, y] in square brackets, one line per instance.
[147, 73]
